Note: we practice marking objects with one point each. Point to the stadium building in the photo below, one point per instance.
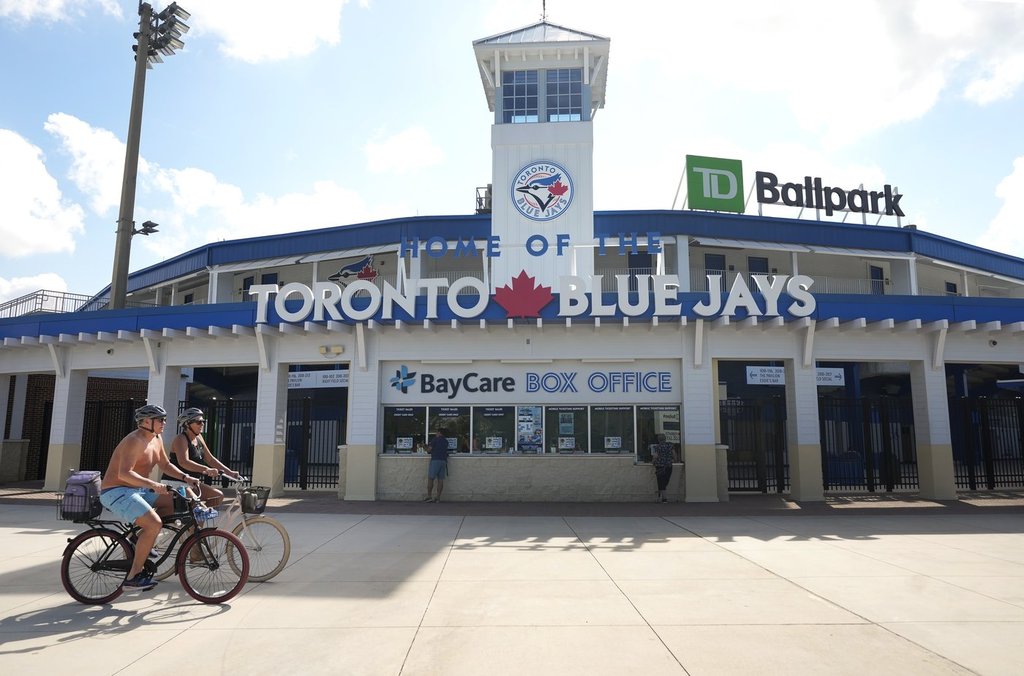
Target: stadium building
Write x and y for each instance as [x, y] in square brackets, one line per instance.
[796, 355]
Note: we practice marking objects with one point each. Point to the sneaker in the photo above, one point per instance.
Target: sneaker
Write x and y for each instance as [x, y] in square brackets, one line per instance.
[141, 582]
[428, 499]
[437, 499]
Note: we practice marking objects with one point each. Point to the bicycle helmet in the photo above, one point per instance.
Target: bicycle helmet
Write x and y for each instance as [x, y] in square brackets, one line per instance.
[190, 415]
[149, 411]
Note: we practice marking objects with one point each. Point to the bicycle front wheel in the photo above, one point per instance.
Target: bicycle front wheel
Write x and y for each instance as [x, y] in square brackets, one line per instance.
[204, 569]
[267, 544]
[95, 565]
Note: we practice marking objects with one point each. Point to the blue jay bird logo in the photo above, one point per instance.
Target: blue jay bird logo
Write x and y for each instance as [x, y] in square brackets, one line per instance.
[404, 379]
[361, 269]
[542, 191]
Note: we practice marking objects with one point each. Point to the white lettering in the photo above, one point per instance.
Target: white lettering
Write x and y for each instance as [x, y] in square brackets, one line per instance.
[287, 290]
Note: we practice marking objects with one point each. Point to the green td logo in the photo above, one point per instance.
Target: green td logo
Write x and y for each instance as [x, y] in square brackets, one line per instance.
[714, 183]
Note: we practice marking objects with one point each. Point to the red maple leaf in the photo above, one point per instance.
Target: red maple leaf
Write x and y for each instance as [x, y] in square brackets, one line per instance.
[557, 188]
[525, 298]
[368, 272]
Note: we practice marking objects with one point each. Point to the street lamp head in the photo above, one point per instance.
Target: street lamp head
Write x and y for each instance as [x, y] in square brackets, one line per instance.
[148, 228]
[176, 27]
[173, 10]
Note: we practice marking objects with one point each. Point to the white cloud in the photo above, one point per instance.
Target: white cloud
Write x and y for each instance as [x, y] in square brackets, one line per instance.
[264, 30]
[34, 217]
[203, 209]
[1000, 82]
[405, 151]
[97, 159]
[845, 69]
[1006, 233]
[55, 10]
[22, 286]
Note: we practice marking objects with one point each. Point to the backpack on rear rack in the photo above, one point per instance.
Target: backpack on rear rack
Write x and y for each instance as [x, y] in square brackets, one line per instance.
[81, 498]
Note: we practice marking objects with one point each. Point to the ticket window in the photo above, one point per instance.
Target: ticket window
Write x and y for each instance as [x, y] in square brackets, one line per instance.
[611, 430]
[405, 429]
[494, 429]
[652, 421]
[455, 419]
[566, 429]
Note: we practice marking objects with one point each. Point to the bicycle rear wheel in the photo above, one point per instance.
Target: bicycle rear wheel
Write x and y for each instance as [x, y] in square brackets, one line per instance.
[203, 566]
[95, 565]
[267, 544]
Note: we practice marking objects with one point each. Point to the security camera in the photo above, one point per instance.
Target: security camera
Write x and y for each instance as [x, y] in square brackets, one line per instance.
[110, 350]
[993, 343]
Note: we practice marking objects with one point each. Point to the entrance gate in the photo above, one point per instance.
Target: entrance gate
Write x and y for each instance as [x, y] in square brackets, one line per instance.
[311, 440]
[755, 431]
[311, 458]
[867, 443]
[988, 442]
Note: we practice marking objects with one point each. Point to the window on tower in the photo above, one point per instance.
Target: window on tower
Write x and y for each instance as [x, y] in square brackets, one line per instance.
[565, 95]
[519, 96]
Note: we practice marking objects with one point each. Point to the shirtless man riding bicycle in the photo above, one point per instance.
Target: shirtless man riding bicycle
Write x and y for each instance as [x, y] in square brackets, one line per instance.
[132, 496]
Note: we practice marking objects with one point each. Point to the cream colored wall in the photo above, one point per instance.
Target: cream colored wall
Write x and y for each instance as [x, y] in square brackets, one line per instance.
[526, 479]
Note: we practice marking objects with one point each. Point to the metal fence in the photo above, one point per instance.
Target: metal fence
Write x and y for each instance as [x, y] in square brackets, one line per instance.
[311, 455]
[230, 430]
[868, 443]
[755, 431]
[105, 424]
[988, 442]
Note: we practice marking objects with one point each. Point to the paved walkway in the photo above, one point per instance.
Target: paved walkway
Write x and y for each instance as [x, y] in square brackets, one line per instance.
[852, 586]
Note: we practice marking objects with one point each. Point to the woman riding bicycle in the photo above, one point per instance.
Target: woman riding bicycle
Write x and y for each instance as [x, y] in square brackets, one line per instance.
[190, 454]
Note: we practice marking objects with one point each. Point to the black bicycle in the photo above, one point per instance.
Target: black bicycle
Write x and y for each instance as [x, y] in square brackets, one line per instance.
[212, 564]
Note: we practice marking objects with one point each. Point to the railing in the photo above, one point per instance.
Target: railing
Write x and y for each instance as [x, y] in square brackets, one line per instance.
[57, 302]
[44, 301]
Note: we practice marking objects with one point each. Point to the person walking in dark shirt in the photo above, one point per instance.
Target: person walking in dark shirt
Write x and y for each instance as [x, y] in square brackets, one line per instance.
[663, 455]
[438, 469]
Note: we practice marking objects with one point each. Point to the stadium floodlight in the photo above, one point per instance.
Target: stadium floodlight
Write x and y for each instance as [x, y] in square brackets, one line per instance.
[158, 34]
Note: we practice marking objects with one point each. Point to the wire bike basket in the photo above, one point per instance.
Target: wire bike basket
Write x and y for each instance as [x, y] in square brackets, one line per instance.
[254, 499]
[77, 508]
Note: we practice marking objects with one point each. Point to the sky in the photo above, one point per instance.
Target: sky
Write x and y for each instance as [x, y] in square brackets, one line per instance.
[333, 112]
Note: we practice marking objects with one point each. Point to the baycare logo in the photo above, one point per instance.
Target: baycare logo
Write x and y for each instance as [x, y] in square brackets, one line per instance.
[404, 379]
[541, 191]
[472, 383]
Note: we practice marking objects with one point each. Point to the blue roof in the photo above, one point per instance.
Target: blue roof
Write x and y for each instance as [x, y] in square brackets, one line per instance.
[606, 223]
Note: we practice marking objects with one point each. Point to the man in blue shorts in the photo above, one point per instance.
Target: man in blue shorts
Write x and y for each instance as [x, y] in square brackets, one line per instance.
[438, 469]
[131, 495]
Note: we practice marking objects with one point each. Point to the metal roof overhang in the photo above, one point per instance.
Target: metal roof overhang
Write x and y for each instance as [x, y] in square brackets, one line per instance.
[798, 248]
[748, 244]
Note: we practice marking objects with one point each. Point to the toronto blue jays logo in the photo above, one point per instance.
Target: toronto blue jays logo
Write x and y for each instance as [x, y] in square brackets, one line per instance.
[361, 269]
[541, 191]
[404, 379]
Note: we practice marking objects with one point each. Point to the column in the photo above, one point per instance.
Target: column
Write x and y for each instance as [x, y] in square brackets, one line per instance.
[163, 391]
[271, 426]
[700, 411]
[65, 451]
[18, 409]
[360, 472]
[5, 397]
[931, 432]
[803, 433]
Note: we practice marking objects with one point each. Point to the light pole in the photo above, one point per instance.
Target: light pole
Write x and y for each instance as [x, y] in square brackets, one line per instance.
[158, 34]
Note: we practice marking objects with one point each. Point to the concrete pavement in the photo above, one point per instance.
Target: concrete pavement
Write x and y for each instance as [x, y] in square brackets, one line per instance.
[455, 589]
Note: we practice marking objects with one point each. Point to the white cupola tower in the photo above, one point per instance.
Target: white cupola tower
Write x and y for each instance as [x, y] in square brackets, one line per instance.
[544, 84]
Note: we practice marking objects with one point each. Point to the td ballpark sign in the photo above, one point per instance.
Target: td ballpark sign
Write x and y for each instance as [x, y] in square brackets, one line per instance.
[716, 184]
